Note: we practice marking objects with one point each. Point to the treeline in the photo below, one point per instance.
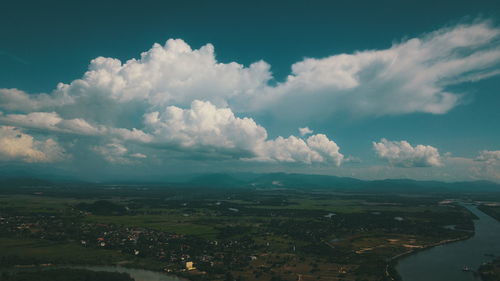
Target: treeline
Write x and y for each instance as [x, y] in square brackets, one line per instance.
[492, 211]
[65, 274]
[490, 271]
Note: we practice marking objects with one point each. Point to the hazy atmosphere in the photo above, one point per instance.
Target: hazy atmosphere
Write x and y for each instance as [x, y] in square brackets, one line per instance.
[349, 140]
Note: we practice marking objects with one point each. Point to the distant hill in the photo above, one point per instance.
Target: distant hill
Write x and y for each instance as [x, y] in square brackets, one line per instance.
[298, 181]
[433, 186]
[21, 181]
[304, 180]
[217, 180]
[287, 181]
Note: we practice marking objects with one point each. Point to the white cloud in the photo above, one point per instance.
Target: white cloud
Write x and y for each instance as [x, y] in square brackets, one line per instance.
[411, 76]
[326, 148]
[117, 153]
[176, 97]
[402, 154]
[206, 127]
[50, 121]
[17, 100]
[18, 146]
[113, 152]
[201, 128]
[138, 155]
[486, 166]
[116, 94]
[305, 131]
[170, 74]
[489, 156]
[316, 149]
[133, 134]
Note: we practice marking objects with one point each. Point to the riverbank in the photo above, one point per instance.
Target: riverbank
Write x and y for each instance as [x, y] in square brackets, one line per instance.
[390, 270]
[447, 262]
[490, 271]
[64, 274]
[138, 274]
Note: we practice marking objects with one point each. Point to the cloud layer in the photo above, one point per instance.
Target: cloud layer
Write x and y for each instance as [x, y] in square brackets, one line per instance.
[411, 76]
[175, 98]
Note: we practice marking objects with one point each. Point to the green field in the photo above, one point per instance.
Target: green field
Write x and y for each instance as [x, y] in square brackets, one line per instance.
[57, 252]
[246, 234]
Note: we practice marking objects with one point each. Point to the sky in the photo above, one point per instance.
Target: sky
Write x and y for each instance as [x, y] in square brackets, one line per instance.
[149, 90]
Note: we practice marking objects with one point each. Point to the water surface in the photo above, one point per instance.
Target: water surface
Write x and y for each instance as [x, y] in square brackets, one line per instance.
[445, 262]
[137, 274]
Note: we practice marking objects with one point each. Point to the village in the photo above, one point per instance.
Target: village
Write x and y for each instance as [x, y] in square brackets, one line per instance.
[244, 234]
[178, 252]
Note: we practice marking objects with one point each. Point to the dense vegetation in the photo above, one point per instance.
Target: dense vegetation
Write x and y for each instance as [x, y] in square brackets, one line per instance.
[490, 271]
[492, 211]
[263, 232]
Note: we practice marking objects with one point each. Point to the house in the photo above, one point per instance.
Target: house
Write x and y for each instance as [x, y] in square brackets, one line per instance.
[190, 266]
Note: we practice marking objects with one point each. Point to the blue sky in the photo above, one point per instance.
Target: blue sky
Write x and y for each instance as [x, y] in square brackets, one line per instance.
[392, 89]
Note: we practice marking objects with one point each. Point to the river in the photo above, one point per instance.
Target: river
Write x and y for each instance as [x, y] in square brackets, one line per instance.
[445, 262]
[137, 274]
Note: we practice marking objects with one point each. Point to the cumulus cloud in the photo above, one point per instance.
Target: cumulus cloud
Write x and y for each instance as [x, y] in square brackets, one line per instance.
[177, 97]
[17, 100]
[203, 127]
[411, 76]
[489, 156]
[489, 165]
[316, 149]
[116, 153]
[18, 146]
[206, 127]
[486, 166]
[403, 154]
[305, 131]
[176, 74]
[164, 75]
